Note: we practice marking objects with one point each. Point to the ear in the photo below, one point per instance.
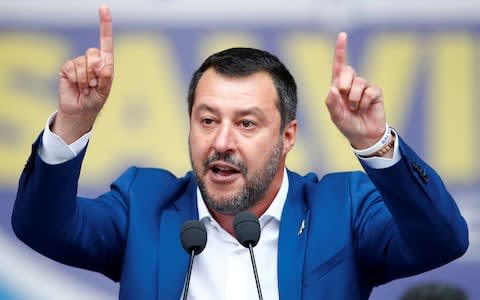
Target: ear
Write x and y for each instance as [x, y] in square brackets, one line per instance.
[289, 136]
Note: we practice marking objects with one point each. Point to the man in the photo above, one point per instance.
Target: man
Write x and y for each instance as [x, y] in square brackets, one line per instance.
[434, 291]
[334, 238]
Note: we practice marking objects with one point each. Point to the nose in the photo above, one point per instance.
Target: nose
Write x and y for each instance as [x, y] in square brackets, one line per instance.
[225, 139]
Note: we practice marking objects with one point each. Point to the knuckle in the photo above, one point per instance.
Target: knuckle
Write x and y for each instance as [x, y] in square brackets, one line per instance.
[329, 101]
[365, 103]
[345, 82]
[355, 92]
[351, 70]
[343, 87]
[360, 81]
[68, 67]
[345, 71]
[379, 92]
[92, 51]
[79, 61]
[371, 93]
[107, 73]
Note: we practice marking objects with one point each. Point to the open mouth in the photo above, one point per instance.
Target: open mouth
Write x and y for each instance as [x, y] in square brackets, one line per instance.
[222, 169]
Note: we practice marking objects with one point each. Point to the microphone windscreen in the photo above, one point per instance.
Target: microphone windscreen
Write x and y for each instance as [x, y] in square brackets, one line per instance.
[193, 236]
[247, 228]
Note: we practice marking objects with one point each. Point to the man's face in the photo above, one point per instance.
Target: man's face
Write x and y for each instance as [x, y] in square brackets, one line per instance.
[236, 147]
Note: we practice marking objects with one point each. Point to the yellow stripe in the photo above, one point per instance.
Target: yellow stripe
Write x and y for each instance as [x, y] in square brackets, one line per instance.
[450, 130]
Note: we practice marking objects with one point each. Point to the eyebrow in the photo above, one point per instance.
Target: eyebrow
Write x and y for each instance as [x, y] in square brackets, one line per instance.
[252, 111]
[206, 107]
[244, 112]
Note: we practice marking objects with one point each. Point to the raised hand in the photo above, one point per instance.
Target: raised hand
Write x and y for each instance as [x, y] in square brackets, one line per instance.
[356, 107]
[84, 85]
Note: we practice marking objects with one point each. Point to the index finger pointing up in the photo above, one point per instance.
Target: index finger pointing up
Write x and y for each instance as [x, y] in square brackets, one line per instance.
[340, 57]
[106, 38]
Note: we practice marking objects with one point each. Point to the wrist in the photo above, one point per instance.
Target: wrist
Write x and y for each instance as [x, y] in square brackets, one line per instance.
[71, 127]
[387, 150]
[382, 147]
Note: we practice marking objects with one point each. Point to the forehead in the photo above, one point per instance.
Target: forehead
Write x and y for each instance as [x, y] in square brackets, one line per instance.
[256, 89]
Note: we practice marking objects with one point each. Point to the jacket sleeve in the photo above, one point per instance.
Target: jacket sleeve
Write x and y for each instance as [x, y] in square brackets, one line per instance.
[421, 228]
[50, 218]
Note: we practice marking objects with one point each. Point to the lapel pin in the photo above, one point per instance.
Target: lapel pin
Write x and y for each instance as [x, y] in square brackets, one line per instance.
[302, 227]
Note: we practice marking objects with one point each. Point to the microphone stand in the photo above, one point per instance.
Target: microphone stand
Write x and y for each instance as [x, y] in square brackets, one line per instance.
[255, 273]
[187, 280]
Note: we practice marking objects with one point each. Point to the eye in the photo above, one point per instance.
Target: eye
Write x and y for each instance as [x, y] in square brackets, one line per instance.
[247, 124]
[207, 121]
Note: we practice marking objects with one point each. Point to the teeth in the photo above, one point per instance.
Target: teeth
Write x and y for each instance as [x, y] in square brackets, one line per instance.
[225, 169]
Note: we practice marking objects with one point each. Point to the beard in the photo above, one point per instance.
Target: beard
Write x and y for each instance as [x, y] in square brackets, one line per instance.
[254, 189]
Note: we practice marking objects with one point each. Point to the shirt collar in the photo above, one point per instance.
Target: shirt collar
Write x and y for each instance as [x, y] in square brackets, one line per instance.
[273, 211]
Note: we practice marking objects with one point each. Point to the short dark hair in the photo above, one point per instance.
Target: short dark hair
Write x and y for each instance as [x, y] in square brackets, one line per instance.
[240, 62]
[434, 291]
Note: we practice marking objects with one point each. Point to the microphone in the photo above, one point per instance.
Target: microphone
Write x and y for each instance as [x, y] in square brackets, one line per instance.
[247, 230]
[194, 238]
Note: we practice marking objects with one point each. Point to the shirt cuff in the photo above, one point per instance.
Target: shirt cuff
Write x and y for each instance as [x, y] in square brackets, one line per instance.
[377, 162]
[53, 150]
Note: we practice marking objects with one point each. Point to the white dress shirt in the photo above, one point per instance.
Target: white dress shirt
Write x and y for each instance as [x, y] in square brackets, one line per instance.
[224, 269]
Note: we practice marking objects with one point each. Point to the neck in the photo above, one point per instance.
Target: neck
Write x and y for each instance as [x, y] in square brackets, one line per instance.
[226, 221]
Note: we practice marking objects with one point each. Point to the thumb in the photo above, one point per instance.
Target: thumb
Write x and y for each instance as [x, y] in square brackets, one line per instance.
[104, 72]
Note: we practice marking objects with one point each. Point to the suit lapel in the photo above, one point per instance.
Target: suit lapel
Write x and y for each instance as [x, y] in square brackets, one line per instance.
[173, 260]
[292, 241]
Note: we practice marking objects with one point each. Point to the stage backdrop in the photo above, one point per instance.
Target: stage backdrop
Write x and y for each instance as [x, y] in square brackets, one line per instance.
[427, 67]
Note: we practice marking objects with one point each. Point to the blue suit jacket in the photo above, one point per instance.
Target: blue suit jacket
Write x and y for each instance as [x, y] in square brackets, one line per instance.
[360, 231]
